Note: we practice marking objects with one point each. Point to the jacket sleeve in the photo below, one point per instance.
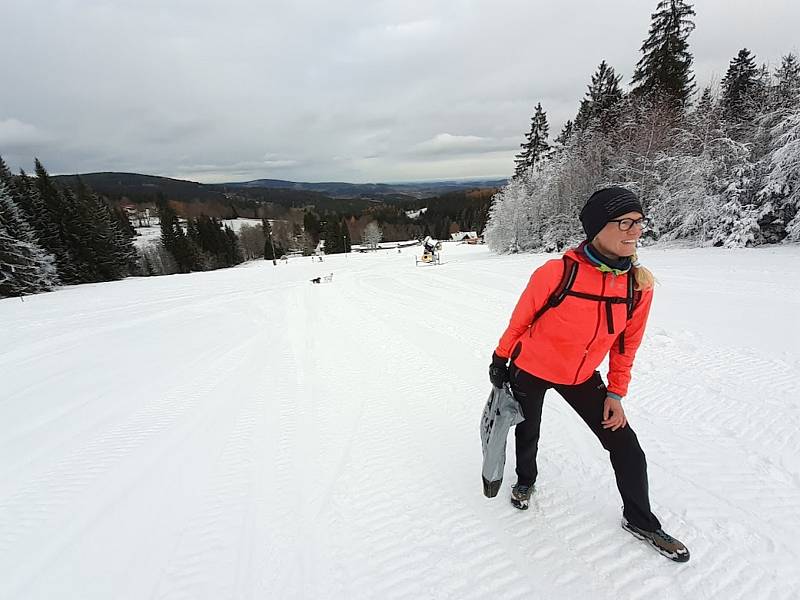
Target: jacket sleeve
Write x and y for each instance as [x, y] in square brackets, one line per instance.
[542, 283]
[619, 365]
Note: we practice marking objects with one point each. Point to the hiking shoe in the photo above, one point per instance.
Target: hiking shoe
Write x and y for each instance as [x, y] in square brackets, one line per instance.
[660, 540]
[521, 495]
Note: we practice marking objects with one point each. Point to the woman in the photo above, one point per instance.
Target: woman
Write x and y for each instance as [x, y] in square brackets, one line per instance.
[573, 312]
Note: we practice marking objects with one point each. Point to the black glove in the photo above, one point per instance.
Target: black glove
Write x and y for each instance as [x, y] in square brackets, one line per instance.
[498, 371]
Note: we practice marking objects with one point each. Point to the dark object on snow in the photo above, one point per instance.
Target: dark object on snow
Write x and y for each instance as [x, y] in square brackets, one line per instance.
[498, 371]
[499, 415]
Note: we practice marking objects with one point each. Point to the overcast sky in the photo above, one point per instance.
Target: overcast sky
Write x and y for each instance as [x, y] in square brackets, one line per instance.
[313, 90]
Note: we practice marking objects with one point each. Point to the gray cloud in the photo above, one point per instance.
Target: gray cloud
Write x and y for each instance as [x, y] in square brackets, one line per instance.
[445, 144]
[352, 90]
[17, 135]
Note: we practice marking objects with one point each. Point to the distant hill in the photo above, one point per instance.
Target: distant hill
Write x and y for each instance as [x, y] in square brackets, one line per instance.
[139, 189]
[448, 204]
[269, 197]
[337, 189]
[143, 188]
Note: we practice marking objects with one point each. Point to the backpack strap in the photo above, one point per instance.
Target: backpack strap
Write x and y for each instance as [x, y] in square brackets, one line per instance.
[564, 286]
[564, 289]
[632, 299]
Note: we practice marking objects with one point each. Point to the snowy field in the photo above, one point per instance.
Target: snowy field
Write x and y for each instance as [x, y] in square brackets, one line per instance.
[246, 434]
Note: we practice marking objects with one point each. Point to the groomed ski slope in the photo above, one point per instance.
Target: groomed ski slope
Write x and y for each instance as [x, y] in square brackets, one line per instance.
[246, 434]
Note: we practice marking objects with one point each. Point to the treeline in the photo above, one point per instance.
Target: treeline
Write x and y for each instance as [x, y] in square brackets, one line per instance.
[205, 244]
[443, 215]
[719, 167]
[446, 214]
[51, 235]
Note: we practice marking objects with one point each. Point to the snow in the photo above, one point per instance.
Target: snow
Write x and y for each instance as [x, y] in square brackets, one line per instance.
[415, 214]
[236, 224]
[243, 433]
[147, 235]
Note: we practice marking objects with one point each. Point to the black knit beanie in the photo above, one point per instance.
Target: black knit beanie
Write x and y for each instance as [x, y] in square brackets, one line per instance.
[607, 204]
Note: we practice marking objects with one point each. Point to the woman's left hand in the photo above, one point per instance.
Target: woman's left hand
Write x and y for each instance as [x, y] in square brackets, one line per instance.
[613, 414]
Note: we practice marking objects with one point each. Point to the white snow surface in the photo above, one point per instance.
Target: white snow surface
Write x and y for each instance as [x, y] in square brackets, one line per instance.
[147, 236]
[246, 434]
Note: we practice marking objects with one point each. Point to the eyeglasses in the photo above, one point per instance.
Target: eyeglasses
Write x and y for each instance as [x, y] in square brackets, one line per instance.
[625, 224]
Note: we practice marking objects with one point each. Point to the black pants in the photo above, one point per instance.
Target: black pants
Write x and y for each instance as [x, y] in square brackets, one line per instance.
[587, 399]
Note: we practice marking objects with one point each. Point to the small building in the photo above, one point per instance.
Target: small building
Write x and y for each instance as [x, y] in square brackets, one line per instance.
[465, 236]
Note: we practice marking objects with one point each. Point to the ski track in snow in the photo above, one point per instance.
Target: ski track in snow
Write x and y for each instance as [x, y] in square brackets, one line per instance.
[245, 434]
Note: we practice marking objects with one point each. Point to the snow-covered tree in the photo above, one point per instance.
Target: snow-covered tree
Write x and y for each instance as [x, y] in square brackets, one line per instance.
[25, 267]
[538, 209]
[738, 217]
[644, 135]
[566, 133]
[787, 86]
[780, 192]
[508, 223]
[372, 235]
[704, 180]
[252, 239]
[154, 259]
[696, 187]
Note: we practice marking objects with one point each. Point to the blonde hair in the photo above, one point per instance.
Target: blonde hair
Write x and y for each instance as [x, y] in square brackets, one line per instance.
[642, 275]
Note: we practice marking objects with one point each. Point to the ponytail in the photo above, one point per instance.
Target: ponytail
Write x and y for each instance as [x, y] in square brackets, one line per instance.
[642, 275]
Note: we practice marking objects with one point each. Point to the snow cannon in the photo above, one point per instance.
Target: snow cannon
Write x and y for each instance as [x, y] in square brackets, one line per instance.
[430, 252]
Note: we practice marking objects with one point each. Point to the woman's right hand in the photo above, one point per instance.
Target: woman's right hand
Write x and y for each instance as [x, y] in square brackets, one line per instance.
[498, 371]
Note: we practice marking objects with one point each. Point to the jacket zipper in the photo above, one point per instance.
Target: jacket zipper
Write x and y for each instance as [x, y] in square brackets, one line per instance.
[596, 329]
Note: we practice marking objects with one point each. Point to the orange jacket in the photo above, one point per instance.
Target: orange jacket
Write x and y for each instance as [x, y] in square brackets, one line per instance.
[568, 342]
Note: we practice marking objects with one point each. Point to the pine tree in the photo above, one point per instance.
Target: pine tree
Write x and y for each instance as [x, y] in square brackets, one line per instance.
[311, 226]
[166, 217]
[28, 199]
[50, 215]
[739, 87]
[174, 239]
[787, 87]
[6, 177]
[269, 244]
[535, 147]
[602, 94]
[566, 133]
[91, 236]
[706, 102]
[25, 267]
[111, 242]
[332, 234]
[665, 68]
[124, 234]
[79, 236]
